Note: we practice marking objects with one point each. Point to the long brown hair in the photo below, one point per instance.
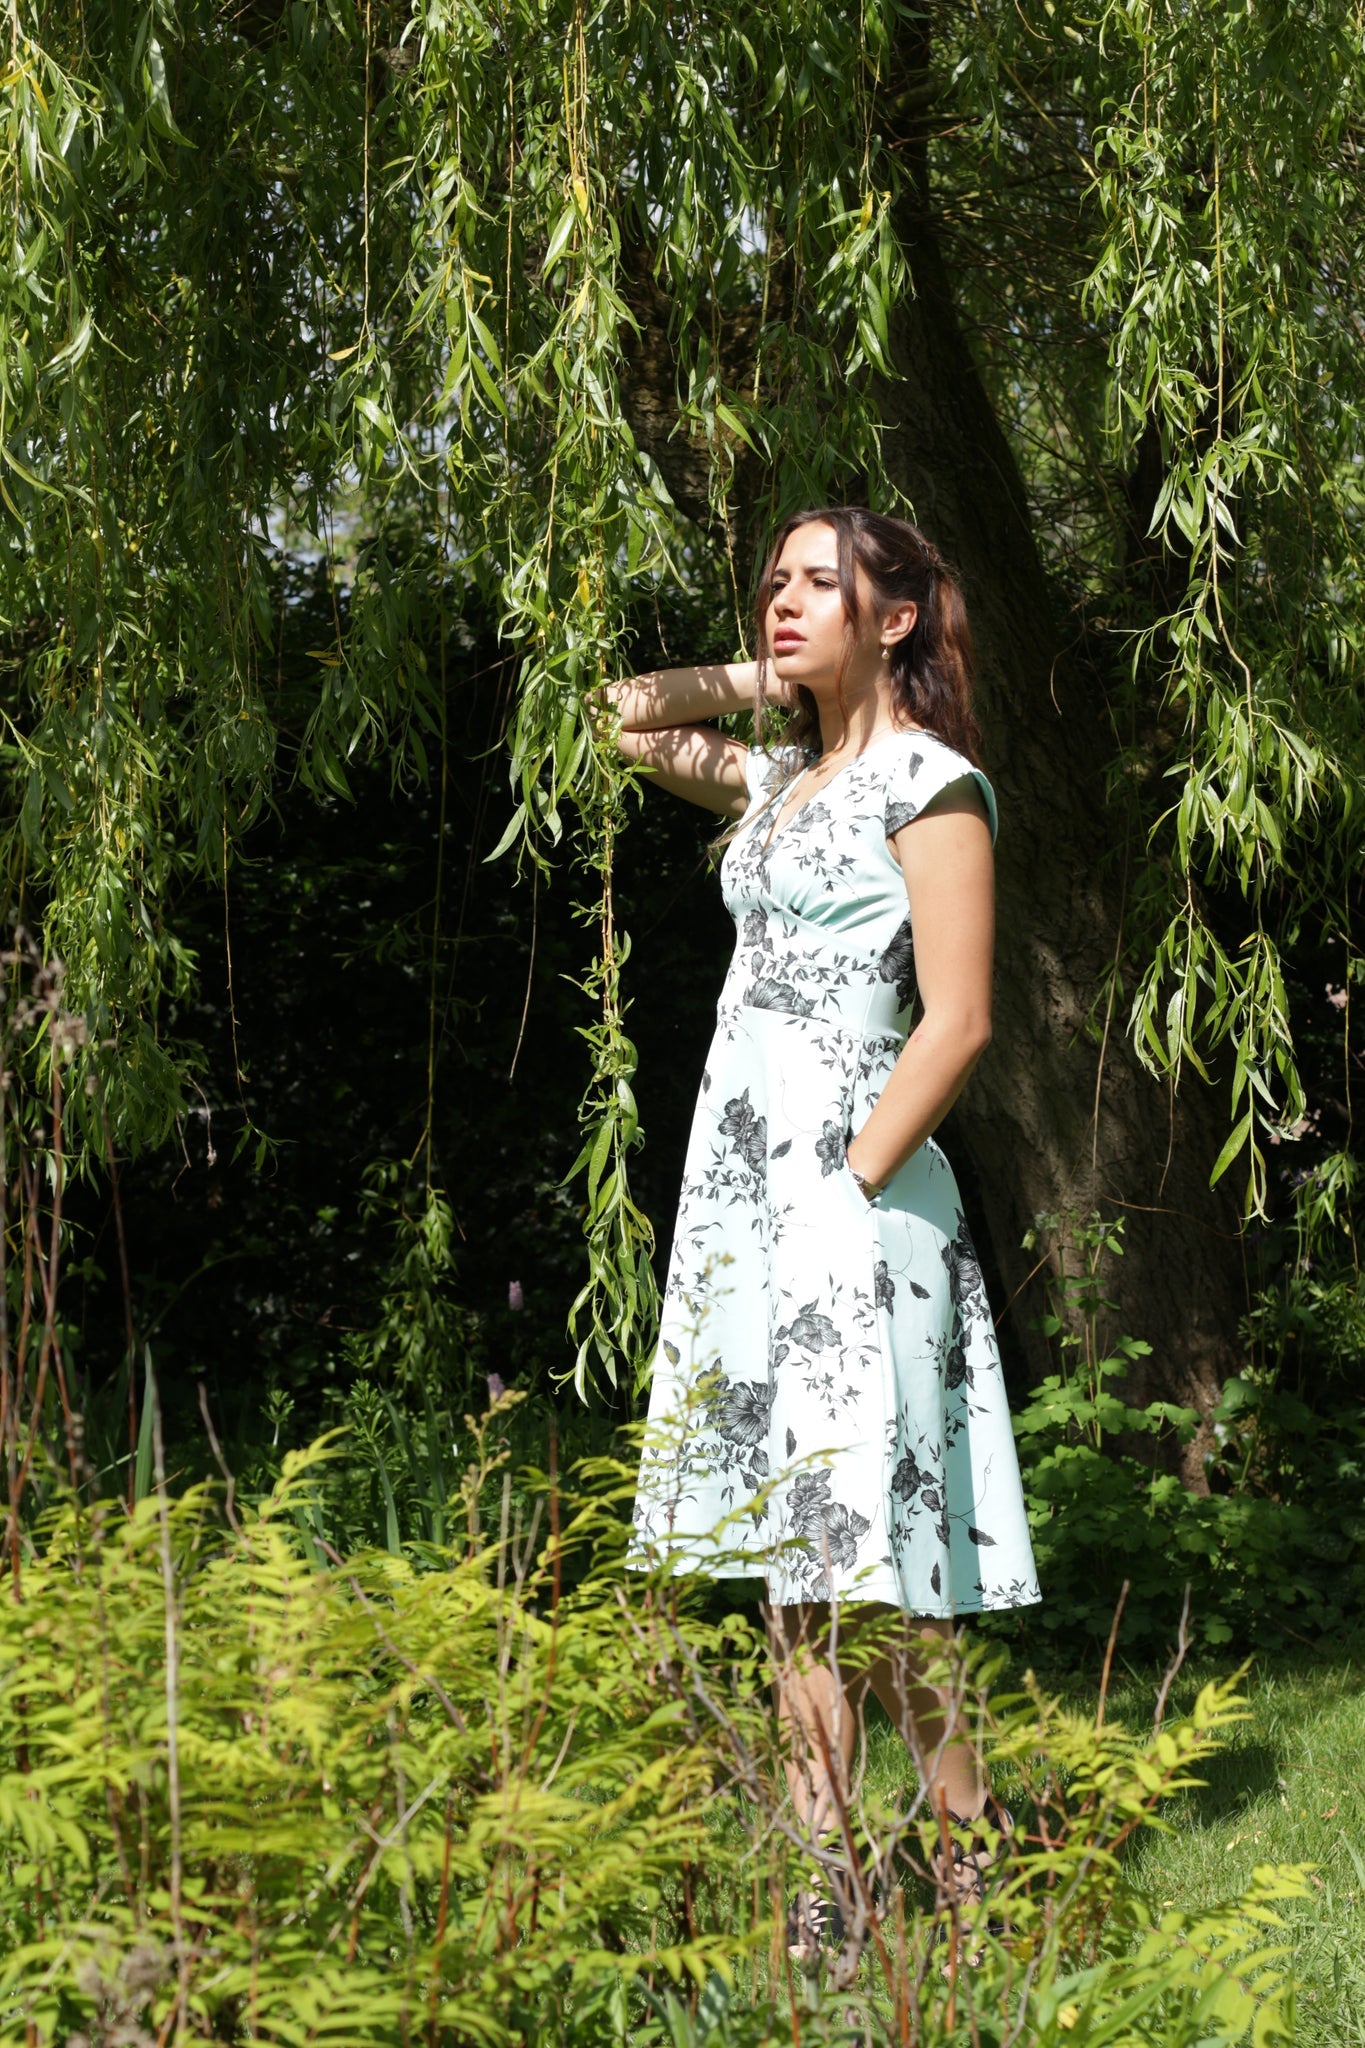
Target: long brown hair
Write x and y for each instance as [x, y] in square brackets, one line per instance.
[931, 668]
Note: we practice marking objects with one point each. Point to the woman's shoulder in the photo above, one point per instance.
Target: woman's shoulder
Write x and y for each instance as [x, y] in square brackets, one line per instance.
[918, 767]
[916, 750]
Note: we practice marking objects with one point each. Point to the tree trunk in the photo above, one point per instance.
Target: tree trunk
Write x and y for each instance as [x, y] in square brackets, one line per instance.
[1060, 1116]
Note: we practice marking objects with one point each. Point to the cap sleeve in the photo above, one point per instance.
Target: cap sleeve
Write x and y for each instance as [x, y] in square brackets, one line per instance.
[921, 769]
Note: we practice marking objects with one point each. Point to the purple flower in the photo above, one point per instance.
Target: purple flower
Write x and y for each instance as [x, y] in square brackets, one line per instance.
[515, 1297]
[496, 1389]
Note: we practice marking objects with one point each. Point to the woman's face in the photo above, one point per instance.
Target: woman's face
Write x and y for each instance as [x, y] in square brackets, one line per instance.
[805, 621]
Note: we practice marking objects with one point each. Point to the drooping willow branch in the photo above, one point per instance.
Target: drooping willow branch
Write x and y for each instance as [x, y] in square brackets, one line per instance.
[348, 280]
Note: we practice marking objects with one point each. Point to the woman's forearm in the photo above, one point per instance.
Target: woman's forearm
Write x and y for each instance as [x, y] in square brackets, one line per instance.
[682, 696]
[931, 1072]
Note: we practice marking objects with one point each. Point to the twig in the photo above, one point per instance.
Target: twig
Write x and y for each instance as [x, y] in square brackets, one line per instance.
[426, 1677]
[530, 971]
[1109, 1654]
[125, 1278]
[172, 1702]
[1182, 1647]
[217, 1450]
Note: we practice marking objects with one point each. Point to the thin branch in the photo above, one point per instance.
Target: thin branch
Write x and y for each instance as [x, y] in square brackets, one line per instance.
[1182, 1647]
[1109, 1654]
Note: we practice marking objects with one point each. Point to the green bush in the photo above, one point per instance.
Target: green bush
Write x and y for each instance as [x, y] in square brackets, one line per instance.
[1272, 1546]
[479, 1797]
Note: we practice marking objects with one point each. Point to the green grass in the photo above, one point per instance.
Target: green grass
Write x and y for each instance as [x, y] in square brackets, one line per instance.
[1289, 1788]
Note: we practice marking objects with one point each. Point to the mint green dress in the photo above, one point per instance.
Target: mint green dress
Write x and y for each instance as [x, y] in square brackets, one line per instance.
[827, 1409]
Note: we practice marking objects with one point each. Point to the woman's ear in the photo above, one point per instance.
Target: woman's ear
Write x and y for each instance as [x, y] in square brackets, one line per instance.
[899, 622]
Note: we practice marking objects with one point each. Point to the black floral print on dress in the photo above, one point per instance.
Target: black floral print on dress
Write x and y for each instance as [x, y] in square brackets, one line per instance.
[767, 994]
[829, 1148]
[897, 964]
[827, 1385]
[747, 1132]
[744, 1413]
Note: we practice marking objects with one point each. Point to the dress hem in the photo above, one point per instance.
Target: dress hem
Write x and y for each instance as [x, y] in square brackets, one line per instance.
[862, 1596]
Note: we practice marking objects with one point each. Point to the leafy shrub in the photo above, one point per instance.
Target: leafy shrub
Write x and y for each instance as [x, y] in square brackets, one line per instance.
[384, 1799]
[1271, 1546]
[345, 1802]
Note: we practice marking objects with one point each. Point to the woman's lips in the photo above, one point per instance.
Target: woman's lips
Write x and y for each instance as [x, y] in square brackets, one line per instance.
[783, 643]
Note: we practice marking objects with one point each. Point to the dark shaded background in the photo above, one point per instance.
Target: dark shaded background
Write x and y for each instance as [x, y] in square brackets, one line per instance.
[262, 1240]
[253, 1252]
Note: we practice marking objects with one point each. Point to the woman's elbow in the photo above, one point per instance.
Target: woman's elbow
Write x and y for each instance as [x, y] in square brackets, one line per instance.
[972, 1040]
[965, 1033]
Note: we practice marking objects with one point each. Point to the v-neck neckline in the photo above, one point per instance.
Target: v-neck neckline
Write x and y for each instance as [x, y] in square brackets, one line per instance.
[783, 825]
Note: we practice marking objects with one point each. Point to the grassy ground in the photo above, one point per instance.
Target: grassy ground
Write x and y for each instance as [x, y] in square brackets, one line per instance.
[1289, 1787]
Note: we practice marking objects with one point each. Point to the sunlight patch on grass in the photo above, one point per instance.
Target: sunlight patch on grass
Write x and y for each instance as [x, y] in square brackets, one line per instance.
[1288, 1787]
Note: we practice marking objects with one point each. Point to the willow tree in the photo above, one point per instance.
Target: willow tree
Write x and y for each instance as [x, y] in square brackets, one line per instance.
[538, 307]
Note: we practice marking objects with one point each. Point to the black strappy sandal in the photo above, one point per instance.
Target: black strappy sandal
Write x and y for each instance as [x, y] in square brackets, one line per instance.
[815, 1926]
[961, 1874]
[961, 1871]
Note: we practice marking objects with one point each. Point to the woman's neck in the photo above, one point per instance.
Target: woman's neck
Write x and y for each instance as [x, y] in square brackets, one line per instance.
[848, 728]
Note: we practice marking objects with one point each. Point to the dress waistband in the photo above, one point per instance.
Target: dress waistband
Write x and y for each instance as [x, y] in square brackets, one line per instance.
[859, 1014]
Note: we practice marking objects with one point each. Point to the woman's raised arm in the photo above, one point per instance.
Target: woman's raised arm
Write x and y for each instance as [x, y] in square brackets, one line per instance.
[661, 728]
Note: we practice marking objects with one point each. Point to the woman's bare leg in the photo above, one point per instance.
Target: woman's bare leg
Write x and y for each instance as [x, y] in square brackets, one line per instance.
[820, 1708]
[927, 1718]
[817, 1716]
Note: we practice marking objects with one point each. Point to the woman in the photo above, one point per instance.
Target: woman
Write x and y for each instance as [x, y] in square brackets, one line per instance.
[827, 1393]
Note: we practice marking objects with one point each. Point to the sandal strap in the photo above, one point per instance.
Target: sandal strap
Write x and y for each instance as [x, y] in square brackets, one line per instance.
[814, 1922]
[967, 1859]
[997, 1817]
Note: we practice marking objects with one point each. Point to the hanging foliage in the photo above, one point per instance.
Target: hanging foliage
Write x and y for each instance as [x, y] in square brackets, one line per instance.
[344, 276]
[1187, 382]
[385, 283]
